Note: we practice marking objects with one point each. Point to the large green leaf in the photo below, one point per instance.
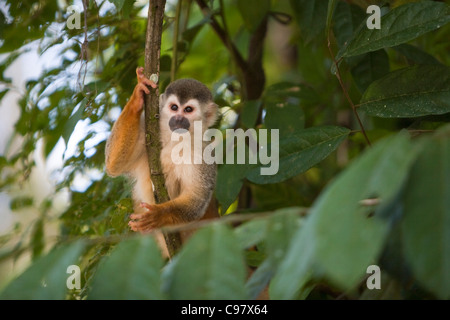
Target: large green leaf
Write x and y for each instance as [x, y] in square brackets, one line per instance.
[296, 268]
[400, 25]
[210, 266]
[300, 151]
[410, 92]
[426, 223]
[283, 103]
[330, 12]
[347, 240]
[277, 230]
[46, 278]
[141, 259]
[287, 116]
[415, 54]
[230, 178]
[371, 67]
[282, 226]
[311, 15]
[338, 240]
[259, 279]
[347, 18]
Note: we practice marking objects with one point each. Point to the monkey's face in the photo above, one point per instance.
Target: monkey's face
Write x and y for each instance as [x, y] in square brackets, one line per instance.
[180, 117]
[184, 102]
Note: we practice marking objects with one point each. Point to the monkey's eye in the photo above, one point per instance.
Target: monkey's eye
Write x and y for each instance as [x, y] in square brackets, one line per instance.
[174, 107]
[188, 109]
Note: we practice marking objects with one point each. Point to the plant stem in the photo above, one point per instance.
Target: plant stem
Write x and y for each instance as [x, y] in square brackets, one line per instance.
[338, 76]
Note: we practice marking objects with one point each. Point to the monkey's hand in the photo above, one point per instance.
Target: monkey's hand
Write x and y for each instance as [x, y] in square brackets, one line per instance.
[155, 217]
[137, 98]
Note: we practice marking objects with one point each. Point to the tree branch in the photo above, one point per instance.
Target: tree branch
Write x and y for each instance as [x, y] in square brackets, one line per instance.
[252, 76]
[152, 137]
[223, 35]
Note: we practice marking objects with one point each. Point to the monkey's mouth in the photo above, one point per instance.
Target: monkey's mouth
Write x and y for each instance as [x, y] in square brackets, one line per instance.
[179, 130]
[179, 124]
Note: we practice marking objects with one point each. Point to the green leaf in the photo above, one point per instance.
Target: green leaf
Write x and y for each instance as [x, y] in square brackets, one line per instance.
[142, 260]
[283, 105]
[119, 217]
[276, 229]
[3, 92]
[251, 233]
[426, 222]
[21, 202]
[311, 15]
[352, 240]
[299, 152]
[371, 67]
[260, 278]
[282, 226]
[46, 278]
[250, 112]
[127, 6]
[410, 92]
[253, 12]
[338, 240]
[296, 268]
[330, 12]
[210, 266]
[37, 238]
[230, 178]
[287, 116]
[3, 162]
[347, 18]
[254, 258]
[400, 25]
[415, 55]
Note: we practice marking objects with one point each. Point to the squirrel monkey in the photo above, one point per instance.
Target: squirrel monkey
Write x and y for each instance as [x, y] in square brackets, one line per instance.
[190, 186]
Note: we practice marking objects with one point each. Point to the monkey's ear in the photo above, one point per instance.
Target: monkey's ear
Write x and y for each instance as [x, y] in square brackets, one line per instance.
[162, 100]
[211, 114]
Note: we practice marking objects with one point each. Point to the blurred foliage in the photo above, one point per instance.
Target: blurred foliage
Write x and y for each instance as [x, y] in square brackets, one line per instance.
[340, 201]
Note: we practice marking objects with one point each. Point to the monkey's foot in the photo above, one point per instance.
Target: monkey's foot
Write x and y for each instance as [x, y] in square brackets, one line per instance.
[152, 219]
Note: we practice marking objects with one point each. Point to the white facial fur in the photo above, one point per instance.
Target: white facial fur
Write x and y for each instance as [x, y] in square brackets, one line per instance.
[197, 113]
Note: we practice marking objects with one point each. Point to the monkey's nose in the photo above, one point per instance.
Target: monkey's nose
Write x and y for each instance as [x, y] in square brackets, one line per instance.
[179, 122]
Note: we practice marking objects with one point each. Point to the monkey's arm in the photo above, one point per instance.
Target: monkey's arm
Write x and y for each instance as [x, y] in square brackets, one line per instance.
[190, 205]
[122, 147]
